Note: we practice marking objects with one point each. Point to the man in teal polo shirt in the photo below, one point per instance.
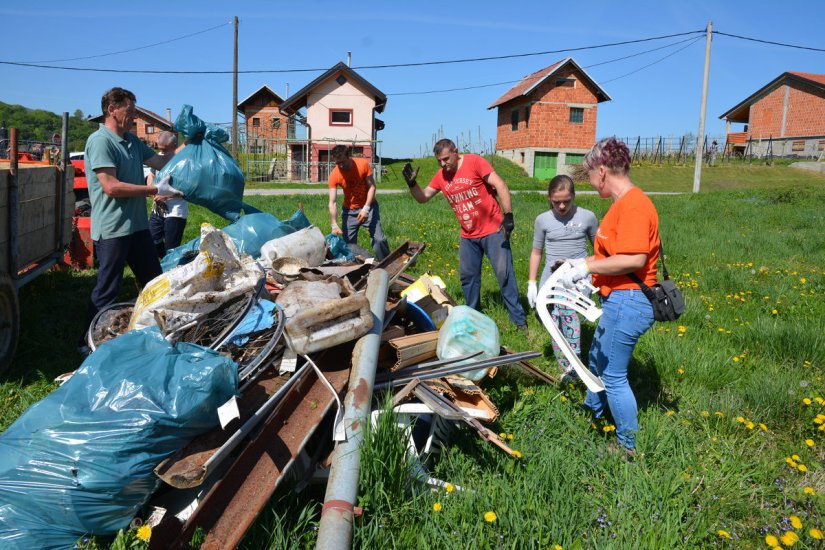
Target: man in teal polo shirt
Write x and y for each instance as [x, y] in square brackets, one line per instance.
[120, 226]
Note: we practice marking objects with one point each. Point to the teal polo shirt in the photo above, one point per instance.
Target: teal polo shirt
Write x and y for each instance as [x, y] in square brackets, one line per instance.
[116, 217]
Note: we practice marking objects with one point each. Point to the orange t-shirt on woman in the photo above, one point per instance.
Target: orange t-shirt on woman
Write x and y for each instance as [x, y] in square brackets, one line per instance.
[631, 226]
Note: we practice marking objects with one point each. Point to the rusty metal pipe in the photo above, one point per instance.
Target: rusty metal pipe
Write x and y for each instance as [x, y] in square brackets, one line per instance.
[335, 528]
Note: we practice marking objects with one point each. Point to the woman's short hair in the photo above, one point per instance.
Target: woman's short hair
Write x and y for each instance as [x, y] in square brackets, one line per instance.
[610, 153]
[559, 183]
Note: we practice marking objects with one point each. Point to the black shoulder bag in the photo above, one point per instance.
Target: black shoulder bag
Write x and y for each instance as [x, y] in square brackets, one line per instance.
[665, 297]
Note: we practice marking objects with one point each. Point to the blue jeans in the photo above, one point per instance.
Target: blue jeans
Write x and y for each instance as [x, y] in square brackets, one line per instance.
[497, 249]
[167, 232]
[350, 225]
[626, 315]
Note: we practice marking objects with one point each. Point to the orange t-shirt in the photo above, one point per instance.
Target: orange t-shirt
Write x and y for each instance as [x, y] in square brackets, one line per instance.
[353, 182]
[631, 226]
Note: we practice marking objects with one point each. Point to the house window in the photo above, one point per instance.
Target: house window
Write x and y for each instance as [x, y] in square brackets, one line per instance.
[340, 117]
[798, 146]
[576, 115]
[514, 120]
[357, 152]
[821, 146]
[568, 82]
[150, 128]
[527, 117]
[256, 122]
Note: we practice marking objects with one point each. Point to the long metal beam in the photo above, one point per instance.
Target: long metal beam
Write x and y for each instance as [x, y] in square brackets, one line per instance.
[335, 528]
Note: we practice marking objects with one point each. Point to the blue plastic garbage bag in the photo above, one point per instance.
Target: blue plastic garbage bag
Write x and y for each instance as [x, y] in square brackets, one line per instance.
[249, 234]
[338, 249]
[260, 317]
[204, 171]
[80, 461]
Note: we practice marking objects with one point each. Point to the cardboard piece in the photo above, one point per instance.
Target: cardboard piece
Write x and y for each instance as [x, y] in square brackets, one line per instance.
[414, 348]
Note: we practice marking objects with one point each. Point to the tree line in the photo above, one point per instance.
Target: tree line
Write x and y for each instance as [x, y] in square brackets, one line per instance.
[40, 125]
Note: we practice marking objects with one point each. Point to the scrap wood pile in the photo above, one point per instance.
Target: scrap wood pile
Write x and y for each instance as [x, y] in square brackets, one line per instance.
[220, 377]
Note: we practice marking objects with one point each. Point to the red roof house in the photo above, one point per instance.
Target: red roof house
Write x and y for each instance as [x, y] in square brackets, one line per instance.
[266, 128]
[547, 122]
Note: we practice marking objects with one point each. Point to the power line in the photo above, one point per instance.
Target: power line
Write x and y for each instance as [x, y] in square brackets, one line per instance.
[135, 49]
[542, 76]
[653, 63]
[770, 42]
[387, 66]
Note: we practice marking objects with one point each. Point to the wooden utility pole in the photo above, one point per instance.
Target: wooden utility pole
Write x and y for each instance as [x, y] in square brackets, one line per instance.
[697, 171]
[235, 93]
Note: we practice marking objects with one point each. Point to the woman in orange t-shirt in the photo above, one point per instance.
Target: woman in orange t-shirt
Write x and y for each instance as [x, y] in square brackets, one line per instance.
[627, 241]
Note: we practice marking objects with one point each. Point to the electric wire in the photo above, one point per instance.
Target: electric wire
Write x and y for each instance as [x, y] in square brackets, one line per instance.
[362, 67]
[771, 42]
[653, 63]
[134, 49]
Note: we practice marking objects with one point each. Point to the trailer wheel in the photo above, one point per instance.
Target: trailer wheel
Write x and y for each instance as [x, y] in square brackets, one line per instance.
[9, 321]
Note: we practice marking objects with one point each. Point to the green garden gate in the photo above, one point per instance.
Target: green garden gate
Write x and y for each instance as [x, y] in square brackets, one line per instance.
[544, 165]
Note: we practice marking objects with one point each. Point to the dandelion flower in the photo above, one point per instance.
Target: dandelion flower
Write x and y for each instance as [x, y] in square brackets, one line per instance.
[681, 371]
[819, 400]
[796, 457]
[563, 399]
[796, 522]
[774, 312]
[771, 541]
[144, 533]
[815, 533]
[789, 538]
[740, 419]
[750, 425]
[437, 507]
[802, 468]
[517, 454]
[807, 401]
[722, 533]
[809, 442]
[669, 413]
[720, 414]
[509, 437]
[809, 491]
[502, 435]
[704, 414]
[558, 547]
[449, 487]
[735, 359]
[763, 427]
[490, 517]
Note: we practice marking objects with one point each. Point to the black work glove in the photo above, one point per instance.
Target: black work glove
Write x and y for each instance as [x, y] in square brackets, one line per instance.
[508, 224]
[409, 175]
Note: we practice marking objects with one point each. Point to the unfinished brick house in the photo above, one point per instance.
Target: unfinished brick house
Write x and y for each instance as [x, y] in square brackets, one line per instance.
[266, 128]
[547, 122]
[787, 115]
[147, 124]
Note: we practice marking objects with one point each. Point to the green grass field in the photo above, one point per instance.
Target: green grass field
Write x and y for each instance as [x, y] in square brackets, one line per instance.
[731, 397]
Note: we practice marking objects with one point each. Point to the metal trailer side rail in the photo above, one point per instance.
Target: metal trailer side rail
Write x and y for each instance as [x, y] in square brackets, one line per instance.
[335, 527]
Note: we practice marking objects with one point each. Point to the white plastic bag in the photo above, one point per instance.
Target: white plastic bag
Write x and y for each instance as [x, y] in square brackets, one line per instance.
[182, 294]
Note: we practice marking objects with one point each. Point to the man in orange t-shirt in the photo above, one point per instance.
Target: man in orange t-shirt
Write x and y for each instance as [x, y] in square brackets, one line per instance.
[354, 176]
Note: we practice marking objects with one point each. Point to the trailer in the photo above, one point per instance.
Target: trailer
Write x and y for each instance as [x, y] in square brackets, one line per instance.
[36, 209]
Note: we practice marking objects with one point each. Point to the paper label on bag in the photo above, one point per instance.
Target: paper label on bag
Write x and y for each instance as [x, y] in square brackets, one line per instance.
[289, 361]
[228, 412]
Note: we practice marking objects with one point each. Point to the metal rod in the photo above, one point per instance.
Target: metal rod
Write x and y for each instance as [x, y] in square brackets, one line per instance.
[335, 527]
[403, 376]
[13, 199]
[64, 164]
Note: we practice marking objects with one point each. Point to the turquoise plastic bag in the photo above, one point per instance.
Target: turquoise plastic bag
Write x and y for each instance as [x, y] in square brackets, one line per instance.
[249, 234]
[468, 331]
[338, 249]
[204, 171]
[80, 461]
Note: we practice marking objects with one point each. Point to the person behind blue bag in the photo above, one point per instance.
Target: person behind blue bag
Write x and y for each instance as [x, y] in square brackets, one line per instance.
[120, 226]
[168, 219]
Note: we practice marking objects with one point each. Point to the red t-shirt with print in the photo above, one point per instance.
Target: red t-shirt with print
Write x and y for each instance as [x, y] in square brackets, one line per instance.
[472, 200]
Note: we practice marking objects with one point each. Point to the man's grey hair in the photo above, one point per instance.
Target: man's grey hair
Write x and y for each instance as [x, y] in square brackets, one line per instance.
[167, 138]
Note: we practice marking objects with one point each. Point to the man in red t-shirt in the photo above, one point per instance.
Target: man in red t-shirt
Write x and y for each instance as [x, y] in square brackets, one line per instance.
[354, 176]
[470, 186]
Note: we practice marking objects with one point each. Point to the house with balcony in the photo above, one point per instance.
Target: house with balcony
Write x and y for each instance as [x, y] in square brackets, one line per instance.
[339, 106]
[785, 117]
[547, 122]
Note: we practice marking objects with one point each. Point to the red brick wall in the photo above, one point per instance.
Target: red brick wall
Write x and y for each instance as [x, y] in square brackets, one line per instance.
[266, 110]
[550, 124]
[805, 117]
[139, 130]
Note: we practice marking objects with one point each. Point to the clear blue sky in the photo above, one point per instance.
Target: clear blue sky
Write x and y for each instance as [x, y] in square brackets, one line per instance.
[662, 99]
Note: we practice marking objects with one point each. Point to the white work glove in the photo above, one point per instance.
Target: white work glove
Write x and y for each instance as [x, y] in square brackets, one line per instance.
[532, 293]
[165, 188]
[577, 272]
[363, 214]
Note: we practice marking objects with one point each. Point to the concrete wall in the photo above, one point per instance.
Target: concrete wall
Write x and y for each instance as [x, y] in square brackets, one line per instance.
[525, 157]
[331, 95]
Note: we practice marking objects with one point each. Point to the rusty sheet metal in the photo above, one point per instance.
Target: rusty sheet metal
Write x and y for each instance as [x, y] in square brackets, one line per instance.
[235, 501]
[185, 468]
[399, 259]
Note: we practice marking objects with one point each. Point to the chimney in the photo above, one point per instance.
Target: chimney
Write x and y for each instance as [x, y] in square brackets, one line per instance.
[349, 59]
[169, 114]
[287, 91]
